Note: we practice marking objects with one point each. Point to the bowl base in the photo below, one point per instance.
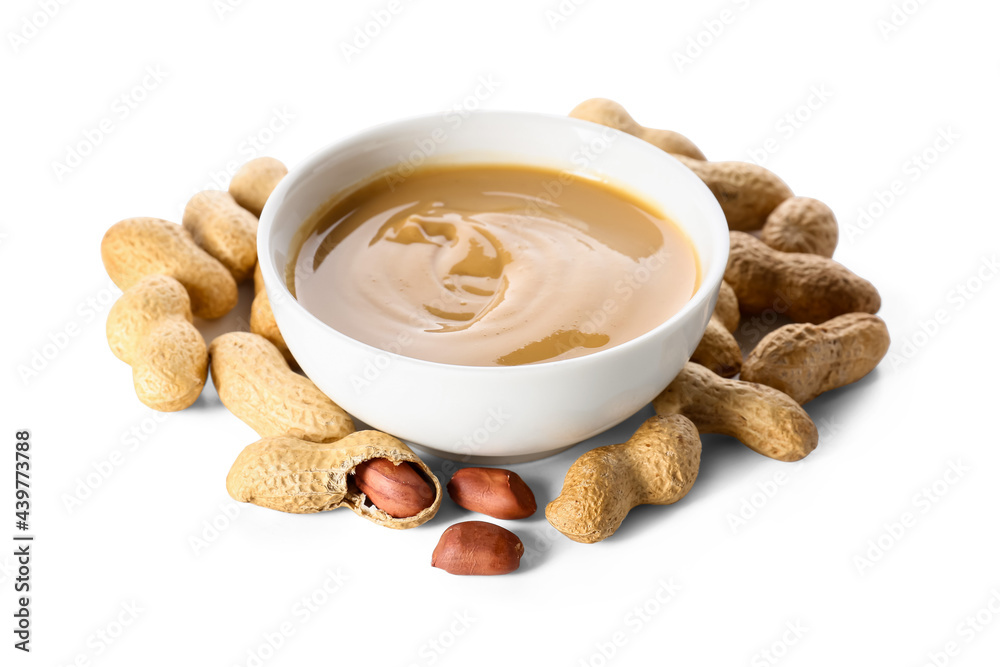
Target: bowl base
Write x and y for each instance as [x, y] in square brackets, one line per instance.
[488, 460]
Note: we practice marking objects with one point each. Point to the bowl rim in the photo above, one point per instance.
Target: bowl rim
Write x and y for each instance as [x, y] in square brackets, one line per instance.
[711, 276]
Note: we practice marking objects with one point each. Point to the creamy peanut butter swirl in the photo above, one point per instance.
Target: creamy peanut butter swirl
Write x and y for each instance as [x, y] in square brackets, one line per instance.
[492, 265]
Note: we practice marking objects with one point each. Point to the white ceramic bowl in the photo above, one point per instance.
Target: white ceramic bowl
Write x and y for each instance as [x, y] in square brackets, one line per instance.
[493, 413]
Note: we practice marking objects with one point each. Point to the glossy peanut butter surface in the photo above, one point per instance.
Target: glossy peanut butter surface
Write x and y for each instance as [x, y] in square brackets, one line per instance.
[492, 265]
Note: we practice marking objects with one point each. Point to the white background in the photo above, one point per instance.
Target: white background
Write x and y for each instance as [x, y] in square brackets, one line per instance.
[227, 76]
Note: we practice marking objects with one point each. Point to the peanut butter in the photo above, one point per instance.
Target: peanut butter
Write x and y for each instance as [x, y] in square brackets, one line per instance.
[492, 265]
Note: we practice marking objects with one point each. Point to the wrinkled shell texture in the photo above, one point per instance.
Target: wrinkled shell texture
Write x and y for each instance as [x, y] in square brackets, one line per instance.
[171, 367]
[805, 360]
[262, 323]
[258, 279]
[727, 308]
[254, 182]
[802, 224]
[291, 475]
[806, 288]
[256, 384]
[226, 231]
[138, 247]
[762, 418]
[746, 192]
[150, 329]
[657, 466]
[477, 548]
[611, 114]
[142, 307]
[718, 350]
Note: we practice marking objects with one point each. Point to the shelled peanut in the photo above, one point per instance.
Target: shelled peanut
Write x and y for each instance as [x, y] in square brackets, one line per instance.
[498, 493]
[288, 474]
[477, 548]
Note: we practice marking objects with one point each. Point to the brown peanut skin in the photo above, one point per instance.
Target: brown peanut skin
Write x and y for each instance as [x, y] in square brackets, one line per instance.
[805, 287]
[613, 115]
[254, 182]
[747, 193]
[801, 224]
[150, 329]
[657, 466]
[805, 360]
[397, 490]
[477, 548]
[501, 494]
[762, 418]
[138, 247]
[256, 384]
[226, 231]
[292, 475]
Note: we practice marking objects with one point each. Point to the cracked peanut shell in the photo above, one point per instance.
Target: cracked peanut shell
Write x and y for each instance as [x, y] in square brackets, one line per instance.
[291, 475]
